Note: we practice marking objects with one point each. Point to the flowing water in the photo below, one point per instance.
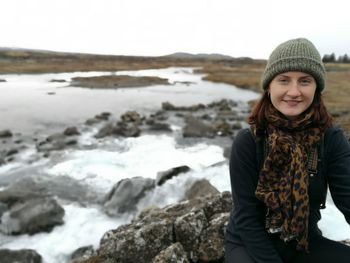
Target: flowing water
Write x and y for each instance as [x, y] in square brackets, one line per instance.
[34, 106]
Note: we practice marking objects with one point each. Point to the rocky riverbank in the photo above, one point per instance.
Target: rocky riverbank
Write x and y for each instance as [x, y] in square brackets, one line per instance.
[34, 204]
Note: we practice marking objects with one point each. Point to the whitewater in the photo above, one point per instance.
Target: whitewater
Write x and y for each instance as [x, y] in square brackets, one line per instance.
[34, 106]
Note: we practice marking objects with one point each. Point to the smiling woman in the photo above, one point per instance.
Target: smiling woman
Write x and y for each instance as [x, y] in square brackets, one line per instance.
[291, 93]
[280, 167]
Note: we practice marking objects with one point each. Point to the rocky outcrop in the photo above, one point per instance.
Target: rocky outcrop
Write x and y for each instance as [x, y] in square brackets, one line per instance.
[19, 256]
[189, 231]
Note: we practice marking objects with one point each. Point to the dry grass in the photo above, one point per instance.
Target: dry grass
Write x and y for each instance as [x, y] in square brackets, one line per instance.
[244, 73]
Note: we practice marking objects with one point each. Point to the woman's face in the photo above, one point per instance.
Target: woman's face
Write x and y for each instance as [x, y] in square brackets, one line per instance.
[292, 92]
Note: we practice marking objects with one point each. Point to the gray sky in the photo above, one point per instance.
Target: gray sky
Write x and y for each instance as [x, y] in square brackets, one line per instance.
[159, 27]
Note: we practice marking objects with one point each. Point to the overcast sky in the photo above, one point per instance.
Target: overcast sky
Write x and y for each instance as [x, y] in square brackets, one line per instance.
[159, 27]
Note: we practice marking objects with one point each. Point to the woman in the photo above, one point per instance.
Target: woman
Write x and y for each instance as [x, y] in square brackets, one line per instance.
[281, 166]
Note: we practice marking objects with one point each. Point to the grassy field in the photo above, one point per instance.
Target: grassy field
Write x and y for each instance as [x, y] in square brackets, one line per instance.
[242, 72]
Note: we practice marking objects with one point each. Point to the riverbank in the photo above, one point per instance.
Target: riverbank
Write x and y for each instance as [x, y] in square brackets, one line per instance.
[241, 72]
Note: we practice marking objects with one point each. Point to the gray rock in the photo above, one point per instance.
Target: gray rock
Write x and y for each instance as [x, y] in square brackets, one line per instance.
[5, 134]
[159, 126]
[20, 256]
[126, 129]
[32, 216]
[131, 116]
[212, 243]
[164, 176]
[55, 142]
[125, 195]
[176, 233]
[137, 242]
[71, 131]
[196, 128]
[82, 254]
[201, 188]
[172, 254]
[188, 228]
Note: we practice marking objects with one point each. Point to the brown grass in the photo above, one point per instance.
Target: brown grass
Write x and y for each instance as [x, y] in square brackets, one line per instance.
[244, 73]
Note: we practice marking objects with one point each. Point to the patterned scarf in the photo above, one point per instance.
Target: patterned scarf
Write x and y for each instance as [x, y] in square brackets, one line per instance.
[283, 180]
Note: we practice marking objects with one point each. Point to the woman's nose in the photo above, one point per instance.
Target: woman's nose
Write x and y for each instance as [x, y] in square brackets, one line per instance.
[294, 90]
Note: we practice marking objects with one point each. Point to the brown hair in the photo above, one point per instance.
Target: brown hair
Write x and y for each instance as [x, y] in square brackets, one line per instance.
[321, 118]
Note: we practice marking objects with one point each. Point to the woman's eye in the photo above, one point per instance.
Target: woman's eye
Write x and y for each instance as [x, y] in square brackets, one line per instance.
[305, 82]
[283, 81]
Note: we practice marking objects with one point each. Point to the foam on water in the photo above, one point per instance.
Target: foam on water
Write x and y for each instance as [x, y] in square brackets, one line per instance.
[143, 156]
[82, 227]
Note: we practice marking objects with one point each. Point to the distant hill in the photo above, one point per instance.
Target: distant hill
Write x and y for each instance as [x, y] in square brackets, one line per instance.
[213, 56]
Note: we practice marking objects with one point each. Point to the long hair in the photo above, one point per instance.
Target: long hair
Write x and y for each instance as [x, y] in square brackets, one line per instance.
[321, 118]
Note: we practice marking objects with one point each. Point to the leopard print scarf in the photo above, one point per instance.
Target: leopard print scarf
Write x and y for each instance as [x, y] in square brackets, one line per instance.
[283, 180]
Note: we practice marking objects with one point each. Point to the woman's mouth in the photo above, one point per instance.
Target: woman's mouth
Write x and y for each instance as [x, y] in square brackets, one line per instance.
[292, 103]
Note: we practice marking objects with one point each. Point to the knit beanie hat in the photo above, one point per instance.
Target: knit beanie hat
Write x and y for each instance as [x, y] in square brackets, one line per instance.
[295, 55]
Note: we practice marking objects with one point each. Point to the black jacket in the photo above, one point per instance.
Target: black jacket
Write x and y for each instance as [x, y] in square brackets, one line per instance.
[247, 221]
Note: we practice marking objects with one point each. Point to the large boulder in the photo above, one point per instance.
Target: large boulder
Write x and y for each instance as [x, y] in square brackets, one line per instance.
[19, 256]
[32, 216]
[125, 195]
[137, 242]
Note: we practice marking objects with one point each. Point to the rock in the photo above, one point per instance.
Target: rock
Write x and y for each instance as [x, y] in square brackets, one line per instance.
[105, 131]
[92, 121]
[227, 115]
[189, 231]
[159, 126]
[82, 254]
[20, 256]
[103, 116]
[55, 142]
[5, 134]
[137, 242]
[2, 80]
[236, 126]
[32, 216]
[212, 243]
[170, 107]
[11, 152]
[126, 129]
[164, 176]
[172, 254]
[125, 195]
[58, 80]
[201, 188]
[196, 128]
[131, 116]
[222, 128]
[71, 131]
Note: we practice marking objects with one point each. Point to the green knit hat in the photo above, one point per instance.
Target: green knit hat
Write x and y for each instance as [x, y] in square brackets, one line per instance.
[295, 55]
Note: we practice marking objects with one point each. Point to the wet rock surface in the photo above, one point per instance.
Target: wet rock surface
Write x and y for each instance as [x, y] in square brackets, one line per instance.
[190, 231]
[19, 256]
